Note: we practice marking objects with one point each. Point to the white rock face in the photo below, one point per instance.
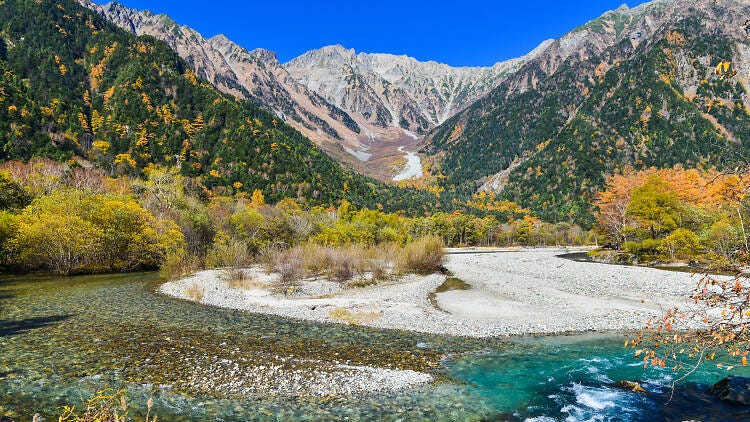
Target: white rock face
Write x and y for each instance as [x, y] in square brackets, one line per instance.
[398, 91]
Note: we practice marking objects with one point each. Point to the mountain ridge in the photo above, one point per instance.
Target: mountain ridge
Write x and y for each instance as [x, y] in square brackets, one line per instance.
[77, 88]
[634, 87]
[379, 119]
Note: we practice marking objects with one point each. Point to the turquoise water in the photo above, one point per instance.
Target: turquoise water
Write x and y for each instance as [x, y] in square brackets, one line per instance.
[62, 339]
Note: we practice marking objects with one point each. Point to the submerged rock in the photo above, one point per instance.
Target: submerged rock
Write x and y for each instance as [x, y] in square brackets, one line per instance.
[630, 386]
[734, 390]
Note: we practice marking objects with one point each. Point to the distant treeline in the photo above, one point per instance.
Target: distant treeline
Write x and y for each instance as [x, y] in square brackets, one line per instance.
[69, 219]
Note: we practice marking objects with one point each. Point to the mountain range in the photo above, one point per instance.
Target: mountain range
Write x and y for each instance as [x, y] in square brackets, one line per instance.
[76, 88]
[363, 109]
[634, 88]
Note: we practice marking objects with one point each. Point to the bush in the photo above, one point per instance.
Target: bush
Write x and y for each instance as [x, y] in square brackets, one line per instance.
[423, 256]
[178, 265]
[346, 262]
[680, 244]
[648, 248]
[316, 259]
[227, 252]
[288, 264]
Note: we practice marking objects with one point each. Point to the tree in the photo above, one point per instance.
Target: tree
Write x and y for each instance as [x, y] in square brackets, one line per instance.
[72, 230]
[655, 206]
[723, 239]
[12, 194]
[715, 328]
[62, 243]
[257, 200]
[680, 244]
[612, 204]
[8, 229]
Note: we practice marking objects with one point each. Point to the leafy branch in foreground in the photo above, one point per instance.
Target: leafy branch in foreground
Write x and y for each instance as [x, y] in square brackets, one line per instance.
[105, 406]
[715, 327]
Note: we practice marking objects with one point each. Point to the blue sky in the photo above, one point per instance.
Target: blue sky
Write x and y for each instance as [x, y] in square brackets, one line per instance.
[459, 32]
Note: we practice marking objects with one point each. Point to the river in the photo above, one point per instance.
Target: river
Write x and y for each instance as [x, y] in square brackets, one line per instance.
[61, 339]
[412, 169]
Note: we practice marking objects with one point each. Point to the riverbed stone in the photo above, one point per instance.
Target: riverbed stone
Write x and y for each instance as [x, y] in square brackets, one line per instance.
[734, 390]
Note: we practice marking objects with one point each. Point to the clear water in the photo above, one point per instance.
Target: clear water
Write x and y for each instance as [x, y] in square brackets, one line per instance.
[62, 339]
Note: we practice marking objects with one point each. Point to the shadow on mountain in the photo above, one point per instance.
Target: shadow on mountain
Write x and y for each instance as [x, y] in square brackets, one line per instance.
[10, 328]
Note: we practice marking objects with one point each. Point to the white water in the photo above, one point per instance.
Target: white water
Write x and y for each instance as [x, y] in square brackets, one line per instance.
[413, 168]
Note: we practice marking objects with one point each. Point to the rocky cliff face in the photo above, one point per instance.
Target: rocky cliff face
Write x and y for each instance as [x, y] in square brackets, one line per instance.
[255, 75]
[398, 91]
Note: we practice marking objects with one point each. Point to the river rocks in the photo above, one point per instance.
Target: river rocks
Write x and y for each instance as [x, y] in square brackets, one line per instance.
[633, 386]
[734, 390]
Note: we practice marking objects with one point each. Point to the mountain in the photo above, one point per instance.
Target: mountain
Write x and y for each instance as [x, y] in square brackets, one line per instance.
[635, 87]
[363, 109]
[73, 86]
[397, 91]
[254, 75]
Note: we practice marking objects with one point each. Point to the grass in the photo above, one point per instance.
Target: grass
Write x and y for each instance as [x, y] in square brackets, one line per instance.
[423, 256]
[352, 264]
[196, 292]
[354, 318]
[244, 282]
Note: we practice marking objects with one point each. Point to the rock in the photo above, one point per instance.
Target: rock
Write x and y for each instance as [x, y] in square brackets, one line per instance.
[630, 386]
[734, 390]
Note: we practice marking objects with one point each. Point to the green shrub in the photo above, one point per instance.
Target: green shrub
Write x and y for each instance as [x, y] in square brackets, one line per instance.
[680, 244]
[227, 253]
[178, 265]
[647, 249]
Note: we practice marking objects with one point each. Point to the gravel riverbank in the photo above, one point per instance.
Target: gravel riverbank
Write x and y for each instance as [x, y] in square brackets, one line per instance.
[512, 293]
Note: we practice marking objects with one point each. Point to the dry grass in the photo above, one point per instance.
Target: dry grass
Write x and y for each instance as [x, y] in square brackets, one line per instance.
[105, 406]
[196, 292]
[353, 265]
[241, 279]
[423, 256]
[316, 259]
[354, 318]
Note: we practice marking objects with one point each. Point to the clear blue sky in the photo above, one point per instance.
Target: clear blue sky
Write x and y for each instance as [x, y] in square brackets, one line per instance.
[458, 32]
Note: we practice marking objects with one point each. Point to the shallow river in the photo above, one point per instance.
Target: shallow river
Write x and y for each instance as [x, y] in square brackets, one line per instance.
[62, 339]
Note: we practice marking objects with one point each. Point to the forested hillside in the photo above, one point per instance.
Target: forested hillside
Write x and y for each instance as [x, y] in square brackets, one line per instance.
[637, 88]
[73, 85]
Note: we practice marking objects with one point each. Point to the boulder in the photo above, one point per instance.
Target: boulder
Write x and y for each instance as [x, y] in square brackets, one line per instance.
[734, 390]
[630, 386]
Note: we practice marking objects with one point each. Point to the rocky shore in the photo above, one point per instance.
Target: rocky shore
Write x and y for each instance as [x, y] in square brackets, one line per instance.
[504, 293]
[512, 293]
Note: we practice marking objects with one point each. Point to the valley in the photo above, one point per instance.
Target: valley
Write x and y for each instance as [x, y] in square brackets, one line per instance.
[201, 228]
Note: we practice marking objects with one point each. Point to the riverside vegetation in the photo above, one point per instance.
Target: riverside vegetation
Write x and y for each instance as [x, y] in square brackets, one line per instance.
[69, 219]
[667, 215]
